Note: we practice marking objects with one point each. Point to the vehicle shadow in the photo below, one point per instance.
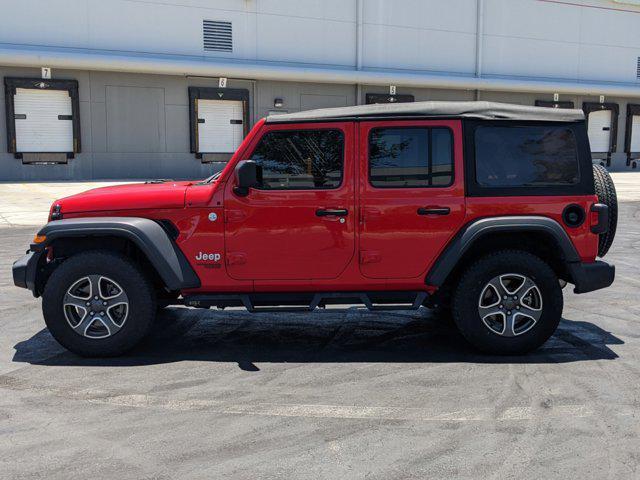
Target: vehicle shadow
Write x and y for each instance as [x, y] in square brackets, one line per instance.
[322, 336]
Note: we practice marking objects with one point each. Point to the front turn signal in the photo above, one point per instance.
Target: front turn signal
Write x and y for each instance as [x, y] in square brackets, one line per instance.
[39, 238]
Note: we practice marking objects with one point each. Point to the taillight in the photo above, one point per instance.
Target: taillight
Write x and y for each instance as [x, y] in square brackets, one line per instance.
[599, 218]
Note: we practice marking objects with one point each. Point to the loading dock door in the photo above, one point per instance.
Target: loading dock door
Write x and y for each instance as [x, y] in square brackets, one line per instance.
[634, 146]
[600, 131]
[632, 134]
[220, 125]
[43, 120]
[602, 127]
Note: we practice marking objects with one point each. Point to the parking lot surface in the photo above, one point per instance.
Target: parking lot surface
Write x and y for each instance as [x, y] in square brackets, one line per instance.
[335, 394]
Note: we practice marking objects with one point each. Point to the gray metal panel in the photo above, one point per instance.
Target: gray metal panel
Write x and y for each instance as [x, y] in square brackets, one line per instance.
[309, 101]
[480, 110]
[177, 128]
[299, 96]
[135, 119]
[422, 94]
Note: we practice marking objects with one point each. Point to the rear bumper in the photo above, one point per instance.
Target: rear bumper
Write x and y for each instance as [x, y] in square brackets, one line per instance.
[25, 269]
[588, 277]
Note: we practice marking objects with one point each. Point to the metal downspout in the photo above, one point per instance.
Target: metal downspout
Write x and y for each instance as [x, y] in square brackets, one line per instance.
[479, 41]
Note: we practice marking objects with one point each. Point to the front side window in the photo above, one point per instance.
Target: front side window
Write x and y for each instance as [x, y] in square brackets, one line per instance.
[526, 156]
[300, 159]
[407, 157]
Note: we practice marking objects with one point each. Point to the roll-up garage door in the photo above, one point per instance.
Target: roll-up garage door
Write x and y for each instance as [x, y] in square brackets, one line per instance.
[220, 125]
[635, 134]
[43, 120]
[599, 130]
[632, 134]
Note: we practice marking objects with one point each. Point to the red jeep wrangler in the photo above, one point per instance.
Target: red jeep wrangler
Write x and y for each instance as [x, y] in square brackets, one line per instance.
[484, 210]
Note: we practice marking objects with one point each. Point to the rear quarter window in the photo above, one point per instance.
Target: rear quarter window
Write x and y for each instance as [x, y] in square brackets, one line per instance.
[526, 156]
[410, 157]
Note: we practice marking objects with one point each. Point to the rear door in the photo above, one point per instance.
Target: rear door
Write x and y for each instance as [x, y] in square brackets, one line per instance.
[411, 195]
[300, 223]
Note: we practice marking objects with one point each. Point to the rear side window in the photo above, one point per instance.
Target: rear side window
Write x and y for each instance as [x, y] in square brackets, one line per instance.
[300, 159]
[526, 156]
[409, 157]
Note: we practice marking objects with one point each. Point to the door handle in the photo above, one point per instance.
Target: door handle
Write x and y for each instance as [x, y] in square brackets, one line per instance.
[434, 211]
[332, 212]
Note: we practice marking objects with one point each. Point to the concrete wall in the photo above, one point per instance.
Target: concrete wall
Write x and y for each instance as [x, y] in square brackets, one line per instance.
[262, 29]
[420, 35]
[594, 40]
[562, 40]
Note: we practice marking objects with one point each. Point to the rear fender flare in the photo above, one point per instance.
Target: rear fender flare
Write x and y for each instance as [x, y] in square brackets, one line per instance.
[152, 240]
[477, 229]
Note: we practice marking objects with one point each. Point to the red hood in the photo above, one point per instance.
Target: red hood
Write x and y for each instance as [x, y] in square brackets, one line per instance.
[126, 197]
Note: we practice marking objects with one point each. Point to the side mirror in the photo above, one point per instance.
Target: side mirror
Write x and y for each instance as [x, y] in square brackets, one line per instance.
[248, 175]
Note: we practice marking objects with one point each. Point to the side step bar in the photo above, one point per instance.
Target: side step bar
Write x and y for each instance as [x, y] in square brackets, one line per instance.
[307, 302]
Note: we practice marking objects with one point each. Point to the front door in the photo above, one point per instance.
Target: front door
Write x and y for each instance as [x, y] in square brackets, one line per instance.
[411, 195]
[299, 224]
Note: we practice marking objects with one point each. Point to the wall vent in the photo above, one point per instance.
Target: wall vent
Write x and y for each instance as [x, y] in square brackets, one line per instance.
[638, 69]
[217, 36]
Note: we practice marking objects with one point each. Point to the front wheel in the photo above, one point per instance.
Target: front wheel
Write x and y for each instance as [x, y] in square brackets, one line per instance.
[98, 304]
[508, 303]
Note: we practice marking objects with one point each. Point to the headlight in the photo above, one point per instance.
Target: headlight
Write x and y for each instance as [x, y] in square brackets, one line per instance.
[56, 213]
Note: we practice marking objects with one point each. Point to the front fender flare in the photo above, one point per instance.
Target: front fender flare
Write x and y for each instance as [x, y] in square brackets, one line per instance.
[162, 252]
[473, 231]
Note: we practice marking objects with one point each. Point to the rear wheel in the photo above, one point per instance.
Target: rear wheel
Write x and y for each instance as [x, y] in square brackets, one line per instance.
[508, 303]
[98, 304]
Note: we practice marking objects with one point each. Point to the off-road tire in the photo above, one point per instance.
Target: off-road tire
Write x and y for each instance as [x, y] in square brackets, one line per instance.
[606, 192]
[472, 283]
[141, 303]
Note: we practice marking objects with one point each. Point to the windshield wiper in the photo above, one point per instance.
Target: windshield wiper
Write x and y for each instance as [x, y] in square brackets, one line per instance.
[210, 179]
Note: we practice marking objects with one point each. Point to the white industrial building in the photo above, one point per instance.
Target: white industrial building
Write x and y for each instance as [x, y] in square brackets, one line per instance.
[98, 89]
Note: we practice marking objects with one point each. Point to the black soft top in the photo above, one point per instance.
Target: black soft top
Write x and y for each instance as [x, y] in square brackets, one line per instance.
[477, 110]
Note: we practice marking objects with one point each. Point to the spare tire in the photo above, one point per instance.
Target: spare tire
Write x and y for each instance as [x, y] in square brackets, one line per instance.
[606, 192]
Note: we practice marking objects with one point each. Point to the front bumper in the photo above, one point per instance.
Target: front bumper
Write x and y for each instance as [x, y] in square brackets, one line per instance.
[588, 277]
[25, 270]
